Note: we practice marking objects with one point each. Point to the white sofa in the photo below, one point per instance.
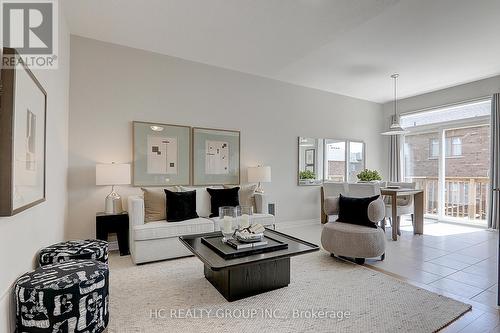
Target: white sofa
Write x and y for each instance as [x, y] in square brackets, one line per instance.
[159, 240]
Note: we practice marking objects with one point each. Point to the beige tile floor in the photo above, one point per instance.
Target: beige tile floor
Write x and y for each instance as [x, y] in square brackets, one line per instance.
[453, 260]
[458, 259]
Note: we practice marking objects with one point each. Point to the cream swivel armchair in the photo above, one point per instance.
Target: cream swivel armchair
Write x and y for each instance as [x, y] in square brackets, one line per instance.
[351, 240]
[405, 205]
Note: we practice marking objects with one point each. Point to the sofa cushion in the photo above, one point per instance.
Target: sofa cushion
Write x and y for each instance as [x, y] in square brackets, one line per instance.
[164, 229]
[155, 203]
[181, 206]
[221, 198]
[355, 210]
[264, 219]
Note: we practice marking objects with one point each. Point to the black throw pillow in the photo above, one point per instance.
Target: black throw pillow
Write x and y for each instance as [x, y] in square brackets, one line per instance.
[355, 210]
[181, 206]
[221, 198]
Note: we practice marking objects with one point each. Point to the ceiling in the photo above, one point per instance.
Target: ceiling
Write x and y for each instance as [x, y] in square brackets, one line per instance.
[350, 47]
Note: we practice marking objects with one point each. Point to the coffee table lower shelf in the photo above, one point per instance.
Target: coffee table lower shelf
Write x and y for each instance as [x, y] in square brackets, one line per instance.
[242, 281]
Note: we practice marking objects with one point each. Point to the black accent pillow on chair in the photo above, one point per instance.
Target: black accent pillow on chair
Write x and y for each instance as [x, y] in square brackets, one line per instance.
[355, 210]
[181, 206]
[221, 198]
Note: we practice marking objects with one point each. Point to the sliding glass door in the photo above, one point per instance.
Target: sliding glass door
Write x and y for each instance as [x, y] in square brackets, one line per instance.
[447, 154]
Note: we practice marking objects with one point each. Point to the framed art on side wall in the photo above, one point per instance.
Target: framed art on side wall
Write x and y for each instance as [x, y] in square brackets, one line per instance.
[161, 154]
[23, 108]
[216, 156]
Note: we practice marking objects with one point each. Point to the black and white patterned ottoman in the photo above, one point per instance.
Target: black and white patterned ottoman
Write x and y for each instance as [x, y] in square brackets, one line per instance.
[74, 250]
[69, 297]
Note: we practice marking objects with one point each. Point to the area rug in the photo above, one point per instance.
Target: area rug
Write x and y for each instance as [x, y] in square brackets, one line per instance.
[325, 295]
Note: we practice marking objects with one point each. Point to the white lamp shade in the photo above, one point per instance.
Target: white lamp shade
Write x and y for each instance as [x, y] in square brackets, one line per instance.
[112, 174]
[260, 174]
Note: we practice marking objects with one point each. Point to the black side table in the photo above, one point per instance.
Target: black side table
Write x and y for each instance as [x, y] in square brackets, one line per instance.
[106, 223]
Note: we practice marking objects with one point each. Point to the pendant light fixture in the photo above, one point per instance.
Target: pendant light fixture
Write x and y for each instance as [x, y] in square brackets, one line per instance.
[395, 128]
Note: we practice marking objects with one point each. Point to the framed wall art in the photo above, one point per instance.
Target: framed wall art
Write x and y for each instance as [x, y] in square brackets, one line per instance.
[216, 156]
[161, 154]
[23, 109]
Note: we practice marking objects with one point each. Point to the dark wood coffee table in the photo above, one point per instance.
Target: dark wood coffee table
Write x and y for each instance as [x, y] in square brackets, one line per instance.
[251, 275]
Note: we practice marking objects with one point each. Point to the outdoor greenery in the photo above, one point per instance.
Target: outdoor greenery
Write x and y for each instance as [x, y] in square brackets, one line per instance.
[369, 175]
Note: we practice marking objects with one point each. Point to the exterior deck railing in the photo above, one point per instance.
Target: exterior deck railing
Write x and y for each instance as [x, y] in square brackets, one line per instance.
[464, 197]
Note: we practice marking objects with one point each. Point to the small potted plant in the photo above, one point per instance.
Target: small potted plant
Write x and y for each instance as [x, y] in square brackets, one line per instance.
[307, 175]
[367, 176]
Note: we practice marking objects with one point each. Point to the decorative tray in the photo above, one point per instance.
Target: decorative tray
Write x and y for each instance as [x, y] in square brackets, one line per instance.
[228, 252]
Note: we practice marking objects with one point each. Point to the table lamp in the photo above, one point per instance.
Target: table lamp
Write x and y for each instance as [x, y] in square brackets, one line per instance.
[259, 174]
[112, 174]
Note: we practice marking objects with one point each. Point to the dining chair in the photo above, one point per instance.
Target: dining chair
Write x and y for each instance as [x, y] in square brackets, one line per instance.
[405, 204]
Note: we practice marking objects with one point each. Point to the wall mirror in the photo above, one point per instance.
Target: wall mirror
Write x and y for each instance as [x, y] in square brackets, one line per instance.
[329, 160]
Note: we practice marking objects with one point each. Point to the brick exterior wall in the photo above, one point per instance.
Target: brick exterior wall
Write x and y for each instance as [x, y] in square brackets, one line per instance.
[474, 161]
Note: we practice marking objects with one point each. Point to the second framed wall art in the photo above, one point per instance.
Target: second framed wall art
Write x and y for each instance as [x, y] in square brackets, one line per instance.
[216, 156]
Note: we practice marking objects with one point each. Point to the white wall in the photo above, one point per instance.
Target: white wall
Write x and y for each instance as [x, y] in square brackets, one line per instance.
[22, 235]
[113, 85]
[437, 98]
